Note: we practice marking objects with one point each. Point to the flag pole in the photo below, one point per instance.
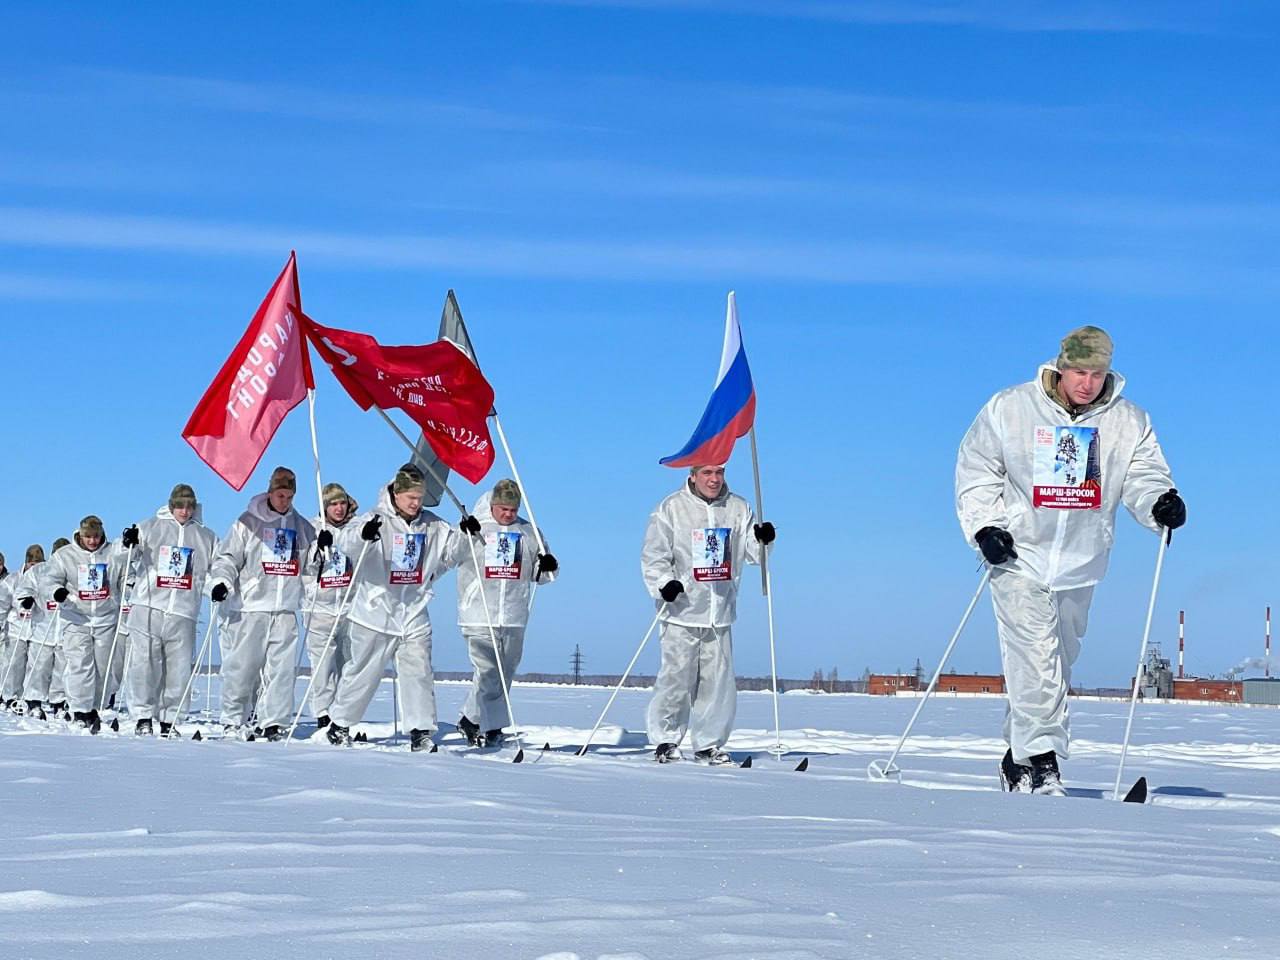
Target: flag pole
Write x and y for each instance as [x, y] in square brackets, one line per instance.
[768, 596]
[524, 494]
[414, 448]
[315, 450]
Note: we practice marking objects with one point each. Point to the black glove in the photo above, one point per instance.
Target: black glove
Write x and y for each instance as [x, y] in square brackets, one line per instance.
[324, 540]
[547, 564]
[130, 536]
[996, 545]
[469, 524]
[671, 589]
[60, 595]
[26, 603]
[765, 533]
[371, 528]
[1170, 512]
[218, 593]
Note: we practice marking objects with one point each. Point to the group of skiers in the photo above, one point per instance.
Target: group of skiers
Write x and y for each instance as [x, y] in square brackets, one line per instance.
[1039, 478]
[361, 585]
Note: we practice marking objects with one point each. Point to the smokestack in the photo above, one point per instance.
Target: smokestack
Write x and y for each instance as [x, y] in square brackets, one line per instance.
[1181, 640]
[1266, 664]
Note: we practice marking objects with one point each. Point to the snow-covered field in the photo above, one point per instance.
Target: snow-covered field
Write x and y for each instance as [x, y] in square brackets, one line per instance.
[115, 847]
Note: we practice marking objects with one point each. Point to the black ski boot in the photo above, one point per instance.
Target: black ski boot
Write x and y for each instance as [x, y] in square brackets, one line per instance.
[142, 728]
[274, 733]
[87, 719]
[420, 740]
[322, 721]
[338, 736]
[667, 753]
[166, 729]
[470, 730]
[1014, 777]
[1045, 778]
[492, 739]
[713, 756]
[59, 710]
[34, 710]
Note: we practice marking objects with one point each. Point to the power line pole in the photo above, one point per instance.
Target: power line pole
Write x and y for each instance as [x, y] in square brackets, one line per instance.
[577, 661]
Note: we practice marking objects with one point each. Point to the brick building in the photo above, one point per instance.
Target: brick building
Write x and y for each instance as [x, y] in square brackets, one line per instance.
[1220, 691]
[890, 683]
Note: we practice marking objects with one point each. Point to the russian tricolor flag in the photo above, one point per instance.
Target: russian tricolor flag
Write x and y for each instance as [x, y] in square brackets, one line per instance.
[732, 409]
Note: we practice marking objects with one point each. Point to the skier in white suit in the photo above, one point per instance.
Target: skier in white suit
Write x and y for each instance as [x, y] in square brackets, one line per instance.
[1039, 478]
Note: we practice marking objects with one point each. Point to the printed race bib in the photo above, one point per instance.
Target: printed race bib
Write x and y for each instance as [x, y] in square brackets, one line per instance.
[406, 557]
[174, 568]
[1068, 471]
[336, 571]
[711, 558]
[91, 581]
[279, 552]
[502, 555]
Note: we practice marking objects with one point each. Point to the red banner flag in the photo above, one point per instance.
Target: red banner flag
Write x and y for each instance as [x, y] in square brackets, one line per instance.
[436, 384]
[266, 376]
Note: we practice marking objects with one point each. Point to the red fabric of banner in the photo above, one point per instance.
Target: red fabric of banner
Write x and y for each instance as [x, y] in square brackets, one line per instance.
[436, 384]
[266, 376]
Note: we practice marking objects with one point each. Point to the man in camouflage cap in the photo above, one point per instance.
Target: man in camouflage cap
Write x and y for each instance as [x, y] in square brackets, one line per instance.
[495, 591]
[1039, 478]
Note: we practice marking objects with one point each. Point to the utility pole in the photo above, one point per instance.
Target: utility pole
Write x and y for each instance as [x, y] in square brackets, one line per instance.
[577, 660]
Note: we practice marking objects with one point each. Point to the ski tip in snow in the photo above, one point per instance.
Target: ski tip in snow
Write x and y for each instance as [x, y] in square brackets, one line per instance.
[546, 746]
[1138, 792]
[435, 748]
[115, 726]
[519, 757]
[803, 765]
[746, 764]
[196, 736]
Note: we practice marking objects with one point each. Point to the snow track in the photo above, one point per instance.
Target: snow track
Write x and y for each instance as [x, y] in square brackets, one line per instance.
[120, 846]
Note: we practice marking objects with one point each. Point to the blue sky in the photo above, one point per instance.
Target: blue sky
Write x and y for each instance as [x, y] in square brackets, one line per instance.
[914, 203]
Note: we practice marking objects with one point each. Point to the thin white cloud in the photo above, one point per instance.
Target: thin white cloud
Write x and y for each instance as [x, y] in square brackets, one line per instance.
[1145, 272]
[281, 100]
[1056, 16]
[42, 287]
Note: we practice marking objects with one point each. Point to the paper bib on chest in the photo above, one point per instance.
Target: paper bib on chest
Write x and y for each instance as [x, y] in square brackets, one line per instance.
[279, 552]
[502, 554]
[711, 556]
[173, 571]
[336, 571]
[406, 557]
[1068, 468]
[91, 581]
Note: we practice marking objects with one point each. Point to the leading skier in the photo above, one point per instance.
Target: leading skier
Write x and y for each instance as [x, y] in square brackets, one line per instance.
[1039, 477]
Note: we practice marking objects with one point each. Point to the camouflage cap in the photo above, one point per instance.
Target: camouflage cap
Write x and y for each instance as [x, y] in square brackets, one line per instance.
[59, 544]
[282, 478]
[92, 526]
[182, 495]
[35, 554]
[408, 477]
[506, 493]
[1086, 348]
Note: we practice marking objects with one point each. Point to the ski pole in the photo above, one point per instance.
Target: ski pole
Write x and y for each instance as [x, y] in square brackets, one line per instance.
[883, 769]
[116, 635]
[1142, 655]
[497, 653]
[648, 633]
[194, 670]
[355, 573]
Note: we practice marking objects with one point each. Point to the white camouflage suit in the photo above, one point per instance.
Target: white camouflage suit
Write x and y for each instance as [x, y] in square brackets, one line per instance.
[46, 660]
[171, 562]
[388, 615]
[93, 581]
[695, 690]
[1054, 481]
[507, 560]
[262, 560]
[325, 590]
[8, 633]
